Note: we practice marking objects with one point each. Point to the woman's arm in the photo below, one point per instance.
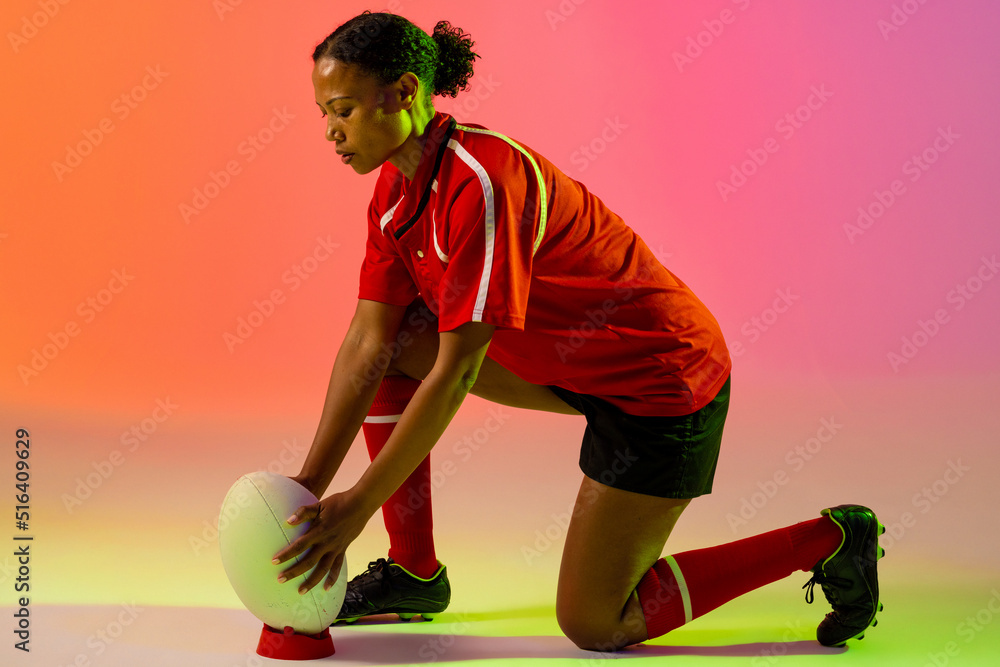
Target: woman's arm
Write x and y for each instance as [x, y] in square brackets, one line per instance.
[355, 379]
[337, 520]
[460, 354]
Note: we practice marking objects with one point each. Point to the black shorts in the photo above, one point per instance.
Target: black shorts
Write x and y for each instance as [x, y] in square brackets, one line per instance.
[668, 457]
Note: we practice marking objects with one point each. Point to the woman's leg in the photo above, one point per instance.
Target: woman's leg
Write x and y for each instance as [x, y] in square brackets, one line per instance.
[615, 590]
[408, 514]
[614, 538]
[418, 347]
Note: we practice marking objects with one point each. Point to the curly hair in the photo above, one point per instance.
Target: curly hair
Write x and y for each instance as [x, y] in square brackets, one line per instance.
[386, 46]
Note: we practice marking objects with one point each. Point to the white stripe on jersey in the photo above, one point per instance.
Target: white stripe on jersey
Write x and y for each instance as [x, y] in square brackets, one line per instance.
[388, 215]
[543, 209]
[484, 180]
[434, 232]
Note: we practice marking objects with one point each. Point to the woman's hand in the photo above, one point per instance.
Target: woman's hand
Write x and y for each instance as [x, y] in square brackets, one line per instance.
[306, 483]
[335, 522]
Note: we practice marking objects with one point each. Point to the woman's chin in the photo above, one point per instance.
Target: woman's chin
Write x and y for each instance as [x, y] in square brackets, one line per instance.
[363, 167]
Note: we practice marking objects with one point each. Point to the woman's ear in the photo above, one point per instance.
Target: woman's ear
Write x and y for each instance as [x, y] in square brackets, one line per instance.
[407, 90]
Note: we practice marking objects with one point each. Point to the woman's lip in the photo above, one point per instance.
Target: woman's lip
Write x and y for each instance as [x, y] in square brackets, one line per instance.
[346, 158]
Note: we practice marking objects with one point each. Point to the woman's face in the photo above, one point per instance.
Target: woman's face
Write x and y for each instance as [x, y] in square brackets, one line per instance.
[367, 122]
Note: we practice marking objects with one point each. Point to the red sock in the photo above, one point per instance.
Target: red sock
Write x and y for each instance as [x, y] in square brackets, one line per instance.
[684, 586]
[407, 513]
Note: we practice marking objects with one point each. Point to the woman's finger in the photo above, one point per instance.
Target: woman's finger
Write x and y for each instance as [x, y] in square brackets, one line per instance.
[338, 562]
[322, 568]
[304, 513]
[297, 547]
[305, 563]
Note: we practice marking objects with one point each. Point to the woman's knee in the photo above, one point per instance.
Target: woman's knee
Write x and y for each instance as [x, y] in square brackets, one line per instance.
[594, 623]
[590, 633]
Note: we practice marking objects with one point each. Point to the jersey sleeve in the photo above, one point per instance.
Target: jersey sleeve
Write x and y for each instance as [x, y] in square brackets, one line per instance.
[490, 235]
[384, 276]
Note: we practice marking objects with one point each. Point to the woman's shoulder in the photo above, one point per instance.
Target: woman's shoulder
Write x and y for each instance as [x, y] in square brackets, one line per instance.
[506, 161]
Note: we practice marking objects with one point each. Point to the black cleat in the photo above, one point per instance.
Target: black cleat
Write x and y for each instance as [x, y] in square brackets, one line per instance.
[849, 577]
[388, 588]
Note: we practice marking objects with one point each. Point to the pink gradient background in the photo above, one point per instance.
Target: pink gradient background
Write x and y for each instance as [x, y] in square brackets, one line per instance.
[554, 86]
[682, 131]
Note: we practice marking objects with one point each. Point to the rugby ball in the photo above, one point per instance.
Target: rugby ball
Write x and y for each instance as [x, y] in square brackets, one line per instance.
[252, 528]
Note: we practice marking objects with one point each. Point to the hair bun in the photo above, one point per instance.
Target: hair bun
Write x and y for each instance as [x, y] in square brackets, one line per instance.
[455, 59]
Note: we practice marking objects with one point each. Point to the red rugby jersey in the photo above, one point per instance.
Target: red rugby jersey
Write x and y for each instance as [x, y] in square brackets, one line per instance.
[578, 299]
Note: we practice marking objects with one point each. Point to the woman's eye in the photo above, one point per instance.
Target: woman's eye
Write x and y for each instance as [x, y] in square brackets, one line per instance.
[345, 114]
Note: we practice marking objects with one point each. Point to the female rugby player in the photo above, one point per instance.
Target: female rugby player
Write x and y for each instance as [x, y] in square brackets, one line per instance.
[487, 270]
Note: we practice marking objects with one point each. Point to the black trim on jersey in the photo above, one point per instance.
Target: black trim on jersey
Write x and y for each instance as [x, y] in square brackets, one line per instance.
[426, 196]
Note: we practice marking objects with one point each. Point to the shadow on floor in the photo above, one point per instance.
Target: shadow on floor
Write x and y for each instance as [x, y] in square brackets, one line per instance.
[375, 647]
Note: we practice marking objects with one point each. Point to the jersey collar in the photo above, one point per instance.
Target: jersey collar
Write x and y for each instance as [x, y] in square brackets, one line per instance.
[418, 192]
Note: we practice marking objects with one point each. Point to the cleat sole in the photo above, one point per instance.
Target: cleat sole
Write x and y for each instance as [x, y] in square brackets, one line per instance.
[408, 616]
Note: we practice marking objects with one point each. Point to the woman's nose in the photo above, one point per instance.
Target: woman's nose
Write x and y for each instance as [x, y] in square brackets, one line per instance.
[334, 134]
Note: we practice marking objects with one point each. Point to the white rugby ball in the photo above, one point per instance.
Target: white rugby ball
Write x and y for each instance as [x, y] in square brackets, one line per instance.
[252, 528]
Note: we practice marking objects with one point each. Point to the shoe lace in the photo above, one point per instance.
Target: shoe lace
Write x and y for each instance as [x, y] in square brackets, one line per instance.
[375, 572]
[829, 585]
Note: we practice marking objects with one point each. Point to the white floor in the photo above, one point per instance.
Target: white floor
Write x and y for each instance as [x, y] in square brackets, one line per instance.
[931, 618]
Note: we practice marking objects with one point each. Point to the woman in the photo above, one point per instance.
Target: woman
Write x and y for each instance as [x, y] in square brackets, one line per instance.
[489, 271]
